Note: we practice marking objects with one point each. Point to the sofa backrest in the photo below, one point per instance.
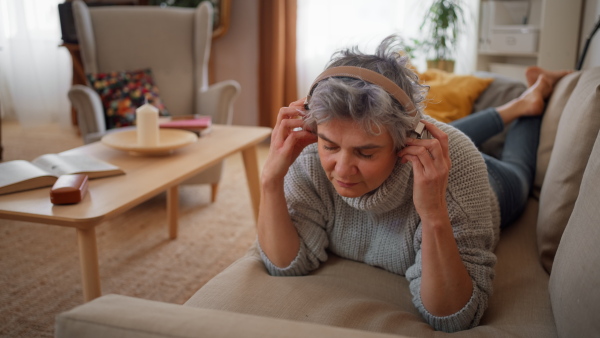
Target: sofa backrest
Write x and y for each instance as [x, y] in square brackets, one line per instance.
[575, 277]
[549, 128]
[569, 130]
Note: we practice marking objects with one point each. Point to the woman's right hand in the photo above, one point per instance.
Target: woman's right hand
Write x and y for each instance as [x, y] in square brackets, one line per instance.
[277, 235]
[286, 142]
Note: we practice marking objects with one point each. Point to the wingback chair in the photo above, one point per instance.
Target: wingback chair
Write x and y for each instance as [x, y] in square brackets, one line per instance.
[173, 42]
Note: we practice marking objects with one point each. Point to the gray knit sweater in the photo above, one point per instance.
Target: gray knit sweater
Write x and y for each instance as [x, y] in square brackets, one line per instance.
[383, 229]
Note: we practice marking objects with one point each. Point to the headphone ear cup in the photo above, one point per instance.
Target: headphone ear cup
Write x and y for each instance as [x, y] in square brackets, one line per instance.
[426, 135]
[421, 132]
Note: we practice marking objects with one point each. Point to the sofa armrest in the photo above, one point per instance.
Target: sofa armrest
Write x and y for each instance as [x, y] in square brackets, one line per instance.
[122, 316]
[217, 101]
[90, 114]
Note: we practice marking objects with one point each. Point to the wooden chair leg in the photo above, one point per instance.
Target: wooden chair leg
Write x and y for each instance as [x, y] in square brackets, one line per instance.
[214, 190]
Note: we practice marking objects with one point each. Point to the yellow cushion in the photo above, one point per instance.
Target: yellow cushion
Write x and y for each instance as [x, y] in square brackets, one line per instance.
[451, 96]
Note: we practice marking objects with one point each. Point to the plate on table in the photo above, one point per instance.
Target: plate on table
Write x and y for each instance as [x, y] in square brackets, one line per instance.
[168, 140]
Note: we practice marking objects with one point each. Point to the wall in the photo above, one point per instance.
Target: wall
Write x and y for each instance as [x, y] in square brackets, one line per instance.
[590, 17]
[235, 57]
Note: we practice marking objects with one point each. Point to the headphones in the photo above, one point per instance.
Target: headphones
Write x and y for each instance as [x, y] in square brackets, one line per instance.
[375, 78]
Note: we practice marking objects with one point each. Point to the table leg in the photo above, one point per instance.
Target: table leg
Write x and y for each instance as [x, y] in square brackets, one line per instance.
[173, 210]
[88, 258]
[253, 177]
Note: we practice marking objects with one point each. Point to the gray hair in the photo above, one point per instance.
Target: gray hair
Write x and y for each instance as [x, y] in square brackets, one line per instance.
[369, 104]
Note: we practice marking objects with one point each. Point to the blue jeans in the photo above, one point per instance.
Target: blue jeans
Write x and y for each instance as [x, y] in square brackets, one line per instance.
[511, 176]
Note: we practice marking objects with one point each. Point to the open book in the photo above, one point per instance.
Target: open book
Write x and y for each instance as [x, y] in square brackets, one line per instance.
[43, 171]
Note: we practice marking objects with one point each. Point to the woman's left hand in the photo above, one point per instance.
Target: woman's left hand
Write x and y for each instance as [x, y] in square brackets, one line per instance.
[431, 164]
[446, 285]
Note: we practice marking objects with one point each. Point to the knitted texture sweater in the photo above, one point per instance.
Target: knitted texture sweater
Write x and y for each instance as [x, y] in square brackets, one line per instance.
[383, 229]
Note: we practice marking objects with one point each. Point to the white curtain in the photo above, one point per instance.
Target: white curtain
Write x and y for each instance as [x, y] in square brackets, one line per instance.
[35, 73]
[327, 26]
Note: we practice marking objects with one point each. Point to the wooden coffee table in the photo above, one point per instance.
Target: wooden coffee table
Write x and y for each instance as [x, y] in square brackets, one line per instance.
[146, 177]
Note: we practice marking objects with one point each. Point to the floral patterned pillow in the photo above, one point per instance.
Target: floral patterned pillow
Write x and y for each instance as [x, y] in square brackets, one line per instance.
[123, 92]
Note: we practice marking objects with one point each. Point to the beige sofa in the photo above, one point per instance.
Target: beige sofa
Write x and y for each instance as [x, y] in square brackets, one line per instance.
[350, 299]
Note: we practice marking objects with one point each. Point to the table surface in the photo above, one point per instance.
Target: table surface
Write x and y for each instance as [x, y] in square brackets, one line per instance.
[145, 177]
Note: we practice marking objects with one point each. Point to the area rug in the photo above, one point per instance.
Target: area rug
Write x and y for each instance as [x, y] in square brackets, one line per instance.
[40, 275]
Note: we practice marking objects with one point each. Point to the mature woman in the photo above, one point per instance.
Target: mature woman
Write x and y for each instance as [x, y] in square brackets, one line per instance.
[353, 172]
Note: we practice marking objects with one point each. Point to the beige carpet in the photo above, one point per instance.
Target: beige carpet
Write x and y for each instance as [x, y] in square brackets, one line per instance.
[39, 264]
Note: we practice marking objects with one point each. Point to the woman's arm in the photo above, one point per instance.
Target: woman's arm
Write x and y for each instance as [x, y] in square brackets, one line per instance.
[446, 285]
[277, 235]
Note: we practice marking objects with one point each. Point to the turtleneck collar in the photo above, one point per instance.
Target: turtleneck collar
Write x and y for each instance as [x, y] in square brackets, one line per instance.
[394, 191]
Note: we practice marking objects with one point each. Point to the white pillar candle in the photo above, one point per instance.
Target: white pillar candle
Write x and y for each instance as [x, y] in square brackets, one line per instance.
[147, 125]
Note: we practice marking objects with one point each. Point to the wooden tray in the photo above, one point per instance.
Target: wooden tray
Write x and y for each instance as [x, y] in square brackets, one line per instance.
[169, 140]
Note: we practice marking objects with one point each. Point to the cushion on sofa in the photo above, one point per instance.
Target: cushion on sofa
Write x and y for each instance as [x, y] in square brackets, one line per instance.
[451, 96]
[520, 304]
[554, 110]
[575, 275]
[341, 293]
[354, 295]
[575, 136]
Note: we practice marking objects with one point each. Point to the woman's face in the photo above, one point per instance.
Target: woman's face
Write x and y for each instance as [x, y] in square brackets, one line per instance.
[355, 162]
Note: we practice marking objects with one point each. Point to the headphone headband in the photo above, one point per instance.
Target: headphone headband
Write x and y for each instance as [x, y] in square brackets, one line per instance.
[368, 76]
[375, 78]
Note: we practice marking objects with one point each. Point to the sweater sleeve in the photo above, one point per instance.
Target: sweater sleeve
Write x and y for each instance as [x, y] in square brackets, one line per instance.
[306, 192]
[474, 217]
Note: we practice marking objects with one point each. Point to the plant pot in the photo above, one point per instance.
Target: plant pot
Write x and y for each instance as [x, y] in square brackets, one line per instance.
[447, 65]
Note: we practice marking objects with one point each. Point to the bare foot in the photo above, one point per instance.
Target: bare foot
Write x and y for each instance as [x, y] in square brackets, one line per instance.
[532, 73]
[530, 103]
[535, 96]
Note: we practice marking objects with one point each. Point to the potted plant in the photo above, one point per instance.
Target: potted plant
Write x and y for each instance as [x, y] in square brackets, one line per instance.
[443, 23]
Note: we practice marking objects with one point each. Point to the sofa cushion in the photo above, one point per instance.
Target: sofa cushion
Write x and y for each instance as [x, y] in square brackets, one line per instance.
[520, 303]
[451, 96]
[341, 293]
[575, 275]
[575, 136]
[554, 109]
[354, 295]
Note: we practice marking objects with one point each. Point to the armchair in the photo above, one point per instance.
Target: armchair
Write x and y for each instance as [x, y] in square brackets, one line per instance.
[174, 43]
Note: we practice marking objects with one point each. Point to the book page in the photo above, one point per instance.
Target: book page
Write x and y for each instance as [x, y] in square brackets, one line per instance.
[76, 164]
[21, 175]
